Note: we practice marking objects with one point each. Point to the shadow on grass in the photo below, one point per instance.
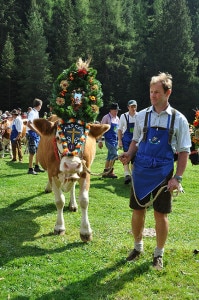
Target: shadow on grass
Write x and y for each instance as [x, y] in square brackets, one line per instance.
[17, 165]
[115, 186]
[18, 227]
[105, 283]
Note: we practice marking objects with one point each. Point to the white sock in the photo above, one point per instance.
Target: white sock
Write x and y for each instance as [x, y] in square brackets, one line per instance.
[127, 173]
[158, 252]
[139, 246]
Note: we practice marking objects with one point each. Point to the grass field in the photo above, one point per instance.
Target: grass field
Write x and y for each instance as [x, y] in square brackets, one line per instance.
[35, 264]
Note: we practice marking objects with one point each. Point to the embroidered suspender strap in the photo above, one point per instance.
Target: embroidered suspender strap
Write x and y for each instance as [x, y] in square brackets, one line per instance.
[145, 126]
[171, 130]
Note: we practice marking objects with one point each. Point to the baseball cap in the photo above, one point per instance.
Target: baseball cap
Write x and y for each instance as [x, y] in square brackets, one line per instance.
[132, 102]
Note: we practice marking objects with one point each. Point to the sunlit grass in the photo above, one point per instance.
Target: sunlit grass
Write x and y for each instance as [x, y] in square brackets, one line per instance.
[35, 264]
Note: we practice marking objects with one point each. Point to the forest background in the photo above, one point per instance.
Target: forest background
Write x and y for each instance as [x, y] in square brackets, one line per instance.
[129, 41]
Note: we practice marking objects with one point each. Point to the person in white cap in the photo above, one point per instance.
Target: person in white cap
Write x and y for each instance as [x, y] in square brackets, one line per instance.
[125, 135]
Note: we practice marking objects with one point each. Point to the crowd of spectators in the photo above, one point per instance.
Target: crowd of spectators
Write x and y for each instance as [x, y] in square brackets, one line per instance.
[8, 115]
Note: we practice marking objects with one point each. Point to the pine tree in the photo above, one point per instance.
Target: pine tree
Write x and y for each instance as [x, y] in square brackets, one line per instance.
[194, 11]
[112, 40]
[8, 74]
[170, 47]
[63, 37]
[34, 68]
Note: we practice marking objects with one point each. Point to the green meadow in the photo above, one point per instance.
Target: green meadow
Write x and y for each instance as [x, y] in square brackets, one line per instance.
[36, 264]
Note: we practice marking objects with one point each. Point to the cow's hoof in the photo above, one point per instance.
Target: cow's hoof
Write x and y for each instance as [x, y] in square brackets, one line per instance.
[86, 237]
[47, 191]
[73, 208]
[59, 232]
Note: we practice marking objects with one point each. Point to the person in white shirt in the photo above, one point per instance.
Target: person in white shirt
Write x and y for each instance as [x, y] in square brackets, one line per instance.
[125, 134]
[33, 137]
[160, 131]
[16, 134]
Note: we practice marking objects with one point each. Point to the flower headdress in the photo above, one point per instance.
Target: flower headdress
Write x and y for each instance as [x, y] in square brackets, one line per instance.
[195, 129]
[77, 93]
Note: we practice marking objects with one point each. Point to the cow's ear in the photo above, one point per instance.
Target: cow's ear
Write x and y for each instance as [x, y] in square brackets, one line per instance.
[44, 126]
[97, 130]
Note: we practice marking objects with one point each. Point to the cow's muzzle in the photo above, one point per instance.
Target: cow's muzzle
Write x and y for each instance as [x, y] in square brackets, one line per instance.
[71, 166]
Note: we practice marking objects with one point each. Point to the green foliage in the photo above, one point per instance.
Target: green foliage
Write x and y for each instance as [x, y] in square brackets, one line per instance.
[8, 59]
[35, 76]
[35, 264]
[129, 41]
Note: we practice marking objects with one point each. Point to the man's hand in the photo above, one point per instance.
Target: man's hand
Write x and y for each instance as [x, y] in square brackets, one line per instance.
[124, 158]
[173, 184]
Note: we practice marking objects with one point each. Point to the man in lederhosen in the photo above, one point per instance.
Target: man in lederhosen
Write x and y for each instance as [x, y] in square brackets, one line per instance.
[160, 131]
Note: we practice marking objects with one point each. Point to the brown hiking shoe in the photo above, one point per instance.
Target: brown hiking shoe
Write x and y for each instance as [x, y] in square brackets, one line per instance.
[133, 255]
[158, 263]
[111, 175]
[106, 173]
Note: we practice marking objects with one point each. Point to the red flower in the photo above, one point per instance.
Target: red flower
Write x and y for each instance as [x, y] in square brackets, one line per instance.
[63, 93]
[82, 72]
[197, 114]
[196, 123]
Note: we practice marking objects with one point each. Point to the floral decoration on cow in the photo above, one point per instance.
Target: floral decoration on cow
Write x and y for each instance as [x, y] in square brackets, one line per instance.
[194, 128]
[77, 93]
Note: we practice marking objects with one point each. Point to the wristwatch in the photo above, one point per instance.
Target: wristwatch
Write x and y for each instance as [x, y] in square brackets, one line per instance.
[178, 178]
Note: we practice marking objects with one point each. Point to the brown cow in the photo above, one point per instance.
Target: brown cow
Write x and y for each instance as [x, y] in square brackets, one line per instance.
[5, 141]
[64, 171]
[5, 132]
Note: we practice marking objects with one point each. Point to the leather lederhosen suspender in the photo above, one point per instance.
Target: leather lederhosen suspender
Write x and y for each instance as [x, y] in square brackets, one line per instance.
[171, 130]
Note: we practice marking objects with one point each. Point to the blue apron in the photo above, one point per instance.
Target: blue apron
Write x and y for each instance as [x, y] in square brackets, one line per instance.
[14, 133]
[111, 135]
[128, 135]
[153, 162]
[34, 136]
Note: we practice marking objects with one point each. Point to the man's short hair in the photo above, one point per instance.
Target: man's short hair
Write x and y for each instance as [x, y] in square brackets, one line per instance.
[37, 102]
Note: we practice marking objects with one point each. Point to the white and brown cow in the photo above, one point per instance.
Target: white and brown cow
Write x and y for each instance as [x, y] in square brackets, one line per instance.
[5, 132]
[64, 171]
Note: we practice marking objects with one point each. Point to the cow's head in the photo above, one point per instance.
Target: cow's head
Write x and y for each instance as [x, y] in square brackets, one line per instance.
[69, 142]
[5, 124]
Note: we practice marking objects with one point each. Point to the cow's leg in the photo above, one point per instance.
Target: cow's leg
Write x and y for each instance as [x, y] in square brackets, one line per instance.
[73, 204]
[9, 148]
[48, 188]
[2, 153]
[2, 148]
[59, 202]
[85, 229]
